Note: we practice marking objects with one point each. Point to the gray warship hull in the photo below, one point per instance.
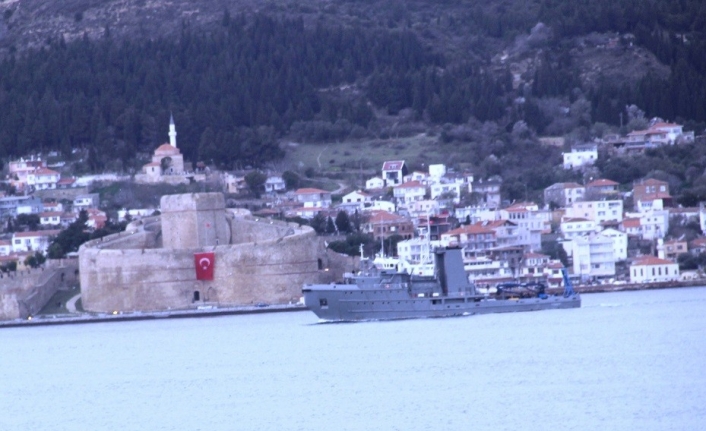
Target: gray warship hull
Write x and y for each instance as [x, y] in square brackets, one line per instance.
[402, 296]
[340, 303]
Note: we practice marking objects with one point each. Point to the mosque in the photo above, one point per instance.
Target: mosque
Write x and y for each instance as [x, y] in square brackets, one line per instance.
[167, 165]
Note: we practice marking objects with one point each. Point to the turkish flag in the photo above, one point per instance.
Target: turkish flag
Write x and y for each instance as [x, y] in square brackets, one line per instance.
[204, 265]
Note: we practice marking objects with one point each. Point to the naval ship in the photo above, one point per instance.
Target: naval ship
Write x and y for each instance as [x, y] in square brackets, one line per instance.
[372, 294]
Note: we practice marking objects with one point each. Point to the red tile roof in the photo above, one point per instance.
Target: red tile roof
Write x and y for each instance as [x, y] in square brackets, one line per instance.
[36, 233]
[651, 260]
[385, 217]
[631, 222]
[602, 182]
[393, 165]
[45, 171]
[410, 185]
[469, 230]
[309, 191]
[574, 220]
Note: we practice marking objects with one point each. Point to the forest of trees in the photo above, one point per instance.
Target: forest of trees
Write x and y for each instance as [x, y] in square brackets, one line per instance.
[236, 89]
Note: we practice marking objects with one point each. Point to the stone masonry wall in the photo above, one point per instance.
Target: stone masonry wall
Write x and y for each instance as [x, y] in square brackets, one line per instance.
[34, 290]
[271, 271]
[194, 220]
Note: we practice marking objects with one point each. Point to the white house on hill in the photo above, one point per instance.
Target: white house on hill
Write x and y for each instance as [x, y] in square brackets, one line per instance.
[393, 172]
[580, 156]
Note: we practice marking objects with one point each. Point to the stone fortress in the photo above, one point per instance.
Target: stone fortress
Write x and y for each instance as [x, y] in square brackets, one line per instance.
[150, 266]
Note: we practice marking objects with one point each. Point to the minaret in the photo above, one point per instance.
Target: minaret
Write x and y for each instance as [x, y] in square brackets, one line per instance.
[172, 131]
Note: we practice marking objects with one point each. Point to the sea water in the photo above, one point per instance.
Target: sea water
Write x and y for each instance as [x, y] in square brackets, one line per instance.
[624, 361]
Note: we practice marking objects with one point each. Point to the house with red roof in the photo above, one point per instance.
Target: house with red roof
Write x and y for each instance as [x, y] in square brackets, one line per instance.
[531, 222]
[5, 247]
[631, 226]
[313, 198]
[66, 183]
[601, 188]
[393, 172]
[658, 134]
[383, 224]
[574, 227]
[651, 194]
[96, 218]
[374, 183]
[564, 194]
[651, 269]
[474, 238]
[43, 179]
[672, 248]
[533, 265]
[32, 241]
[356, 196]
[598, 211]
[409, 192]
[50, 218]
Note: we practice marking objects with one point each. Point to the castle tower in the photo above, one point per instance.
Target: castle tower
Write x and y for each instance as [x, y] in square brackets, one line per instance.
[172, 131]
[194, 220]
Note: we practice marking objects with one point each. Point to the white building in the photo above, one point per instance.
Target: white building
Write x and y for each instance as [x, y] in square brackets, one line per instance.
[275, 184]
[356, 197]
[51, 218]
[313, 198]
[474, 214]
[580, 156]
[133, 213]
[43, 179]
[653, 269]
[653, 224]
[393, 172]
[416, 250]
[485, 270]
[386, 206]
[437, 171]
[530, 221]
[32, 241]
[446, 188]
[374, 183]
[598, 211]
[563, 194]
[409, 192]
[423, 208]
[5, 247]
[620, 242]
[593, 256]
[84, 202]
[577, 227]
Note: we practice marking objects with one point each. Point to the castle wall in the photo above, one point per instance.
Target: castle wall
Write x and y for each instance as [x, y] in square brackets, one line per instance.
[25, 293]
[150, 266]
[271, 271]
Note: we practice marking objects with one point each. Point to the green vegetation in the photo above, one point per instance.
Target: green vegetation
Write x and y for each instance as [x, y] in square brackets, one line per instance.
[377, 82]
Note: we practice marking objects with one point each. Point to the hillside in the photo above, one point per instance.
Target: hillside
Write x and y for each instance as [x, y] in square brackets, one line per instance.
[481, 80]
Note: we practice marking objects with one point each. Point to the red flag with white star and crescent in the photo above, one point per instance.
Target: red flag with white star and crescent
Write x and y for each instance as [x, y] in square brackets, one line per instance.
[204, 265]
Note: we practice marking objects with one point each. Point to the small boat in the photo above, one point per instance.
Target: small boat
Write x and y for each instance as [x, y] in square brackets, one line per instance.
[373, 294]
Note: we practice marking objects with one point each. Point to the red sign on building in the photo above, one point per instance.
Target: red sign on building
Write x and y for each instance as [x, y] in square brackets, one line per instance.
[204, 265]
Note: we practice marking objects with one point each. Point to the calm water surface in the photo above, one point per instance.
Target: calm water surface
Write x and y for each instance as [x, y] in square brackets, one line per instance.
[624, 361]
